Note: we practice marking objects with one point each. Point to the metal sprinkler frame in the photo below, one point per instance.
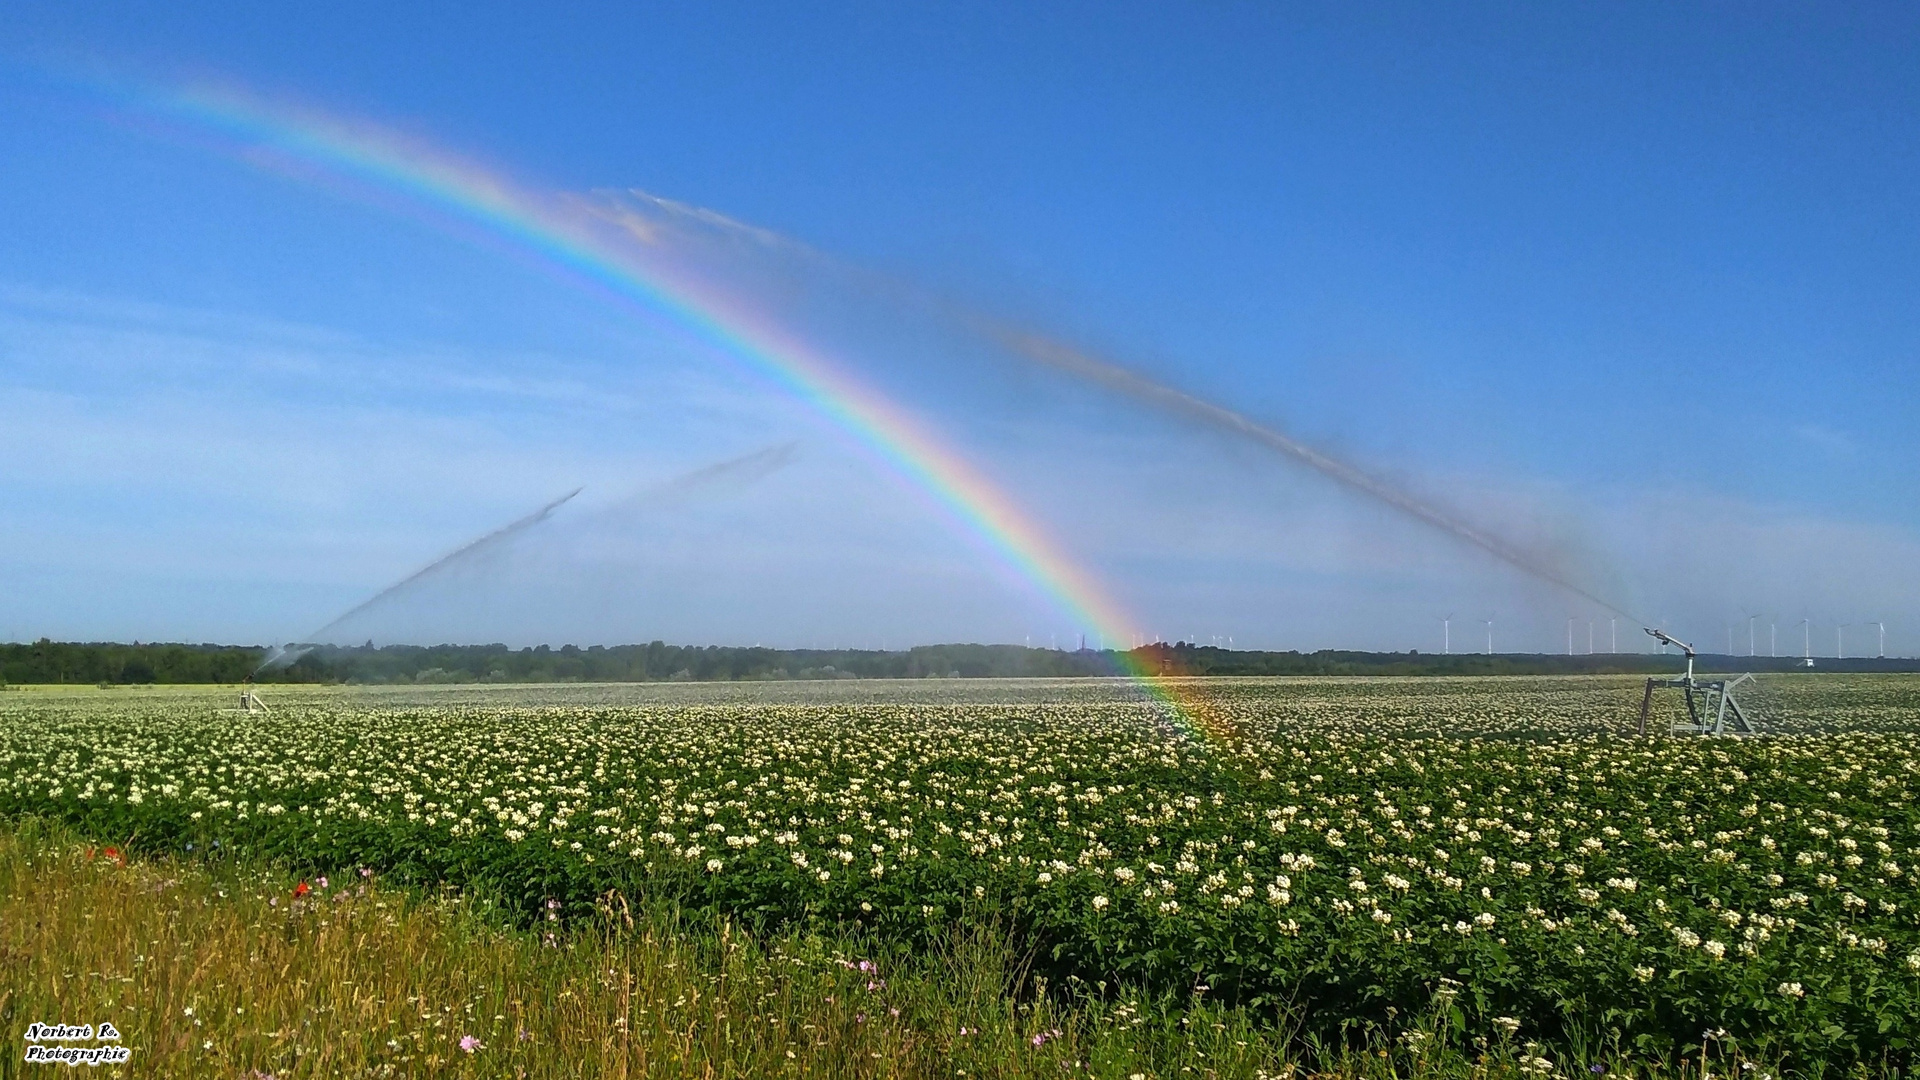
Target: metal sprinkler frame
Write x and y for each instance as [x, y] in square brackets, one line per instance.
[249, 701]
[1709, 715]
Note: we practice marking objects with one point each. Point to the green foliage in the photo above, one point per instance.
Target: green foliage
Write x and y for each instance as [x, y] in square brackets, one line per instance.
[112, 664]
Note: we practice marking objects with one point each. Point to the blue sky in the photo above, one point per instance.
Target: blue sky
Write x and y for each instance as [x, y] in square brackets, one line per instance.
[1635, 280]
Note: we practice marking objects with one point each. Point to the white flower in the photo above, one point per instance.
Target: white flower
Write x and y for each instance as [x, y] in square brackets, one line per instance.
[1099, 903]
[714, 865]
[1792, 990]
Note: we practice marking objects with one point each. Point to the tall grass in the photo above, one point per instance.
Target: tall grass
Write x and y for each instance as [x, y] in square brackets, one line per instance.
[224, 969]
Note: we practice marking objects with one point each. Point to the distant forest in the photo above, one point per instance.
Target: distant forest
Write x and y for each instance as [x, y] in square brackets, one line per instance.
[116, 664]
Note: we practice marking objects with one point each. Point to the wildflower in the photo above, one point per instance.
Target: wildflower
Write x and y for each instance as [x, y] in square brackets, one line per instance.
[469, 1044]
[1792, 990]
[1099, 903]
[1507, 1024]
[301, 889]
[714, 865]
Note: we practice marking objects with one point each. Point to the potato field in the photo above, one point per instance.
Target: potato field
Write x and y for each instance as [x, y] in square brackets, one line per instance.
[1499, 853]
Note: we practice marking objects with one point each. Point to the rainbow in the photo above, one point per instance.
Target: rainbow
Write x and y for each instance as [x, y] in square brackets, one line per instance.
[560, 234]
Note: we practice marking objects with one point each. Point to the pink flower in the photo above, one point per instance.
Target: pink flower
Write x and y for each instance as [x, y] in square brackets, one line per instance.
[321, 881]
[469, 1043]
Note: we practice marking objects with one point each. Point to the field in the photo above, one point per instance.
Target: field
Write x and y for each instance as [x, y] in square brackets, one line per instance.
[1499, 856]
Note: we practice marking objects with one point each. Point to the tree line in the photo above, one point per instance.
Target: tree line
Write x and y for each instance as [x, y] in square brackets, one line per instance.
[121, 664]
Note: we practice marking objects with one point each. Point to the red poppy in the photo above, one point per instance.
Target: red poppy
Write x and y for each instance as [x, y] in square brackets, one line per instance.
[112, 853]
[301, 889]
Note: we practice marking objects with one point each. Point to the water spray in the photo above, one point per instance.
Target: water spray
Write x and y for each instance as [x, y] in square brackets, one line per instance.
[744, 469]
[281, 657]
[647, 218]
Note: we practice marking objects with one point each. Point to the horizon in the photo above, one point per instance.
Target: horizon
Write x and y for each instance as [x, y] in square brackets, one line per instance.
[1180, 645]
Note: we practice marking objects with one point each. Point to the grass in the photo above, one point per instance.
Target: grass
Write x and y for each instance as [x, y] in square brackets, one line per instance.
[218, 968]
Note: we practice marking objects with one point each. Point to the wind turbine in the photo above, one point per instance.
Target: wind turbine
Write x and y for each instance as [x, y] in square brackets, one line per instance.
[1750, 619]
[1446, 634]
[1569, 636]
[1489, 623]
[1613, 630]
[1840, 641]
[1773, 637]
[1806, 639]
[1589, 637]
[1883, 639]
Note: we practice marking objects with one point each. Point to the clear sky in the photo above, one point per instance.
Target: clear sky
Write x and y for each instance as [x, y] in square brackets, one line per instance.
[1634, 282]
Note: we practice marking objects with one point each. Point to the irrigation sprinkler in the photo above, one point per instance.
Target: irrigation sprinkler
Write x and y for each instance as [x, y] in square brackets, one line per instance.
[249, 701]
[1711, 707]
